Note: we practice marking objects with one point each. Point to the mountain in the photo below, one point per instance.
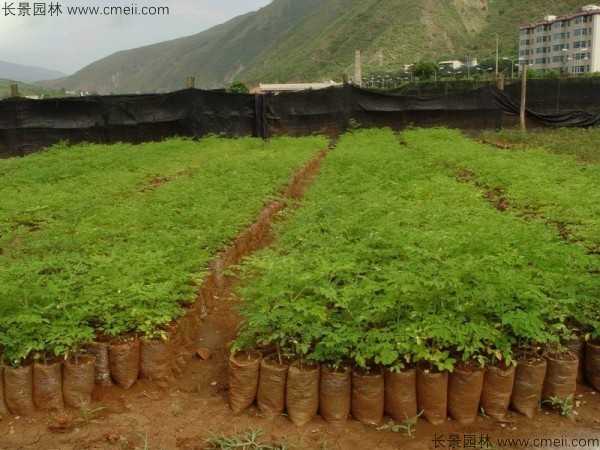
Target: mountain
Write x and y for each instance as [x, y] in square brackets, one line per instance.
[26, 74]
[312, 40]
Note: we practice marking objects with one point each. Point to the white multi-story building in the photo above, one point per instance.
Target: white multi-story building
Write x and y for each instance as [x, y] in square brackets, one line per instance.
[564, 44]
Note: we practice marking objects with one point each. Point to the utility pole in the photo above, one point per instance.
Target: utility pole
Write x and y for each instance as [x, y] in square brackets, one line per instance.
[523, 96]
[497, 42]
[357, 69]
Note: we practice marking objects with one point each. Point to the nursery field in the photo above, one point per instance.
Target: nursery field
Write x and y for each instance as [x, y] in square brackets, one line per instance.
[428, 264]
[428, 247]
[117, 239]
[583, 143]
[420, 251]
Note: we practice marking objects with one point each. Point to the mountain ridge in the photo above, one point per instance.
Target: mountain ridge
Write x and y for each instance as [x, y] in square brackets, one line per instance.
[26, 74]
[312, 40]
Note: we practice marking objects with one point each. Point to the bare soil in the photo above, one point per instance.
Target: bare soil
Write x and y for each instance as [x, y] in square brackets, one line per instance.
[180, 413]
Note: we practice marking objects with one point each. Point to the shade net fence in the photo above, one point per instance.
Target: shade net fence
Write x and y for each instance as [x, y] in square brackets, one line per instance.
[27, 126]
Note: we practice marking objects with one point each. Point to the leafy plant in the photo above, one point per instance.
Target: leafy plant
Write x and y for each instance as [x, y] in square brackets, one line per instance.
[393, 258]
[145, 441]
[247, 440]
[177, 409]
[237, 87]
[79, 255]
[353, 124]
[564, 406]
[408, 425]
[87, 414]
[21, 335]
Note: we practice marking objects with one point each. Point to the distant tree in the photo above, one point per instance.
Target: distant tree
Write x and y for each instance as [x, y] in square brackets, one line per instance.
[425, 69]
[238, 87]
[532, 73]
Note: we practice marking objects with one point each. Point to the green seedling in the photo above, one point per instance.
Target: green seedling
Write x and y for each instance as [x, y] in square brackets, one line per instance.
[87, 414]
[248, 440]
[564, 406]
[408, 425]
[145, 441]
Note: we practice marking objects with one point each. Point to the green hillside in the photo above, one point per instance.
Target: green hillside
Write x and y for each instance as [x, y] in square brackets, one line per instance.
[26, 90]
[312, 40]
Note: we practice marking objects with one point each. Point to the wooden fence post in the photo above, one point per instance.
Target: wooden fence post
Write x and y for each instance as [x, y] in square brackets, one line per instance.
[500, 81]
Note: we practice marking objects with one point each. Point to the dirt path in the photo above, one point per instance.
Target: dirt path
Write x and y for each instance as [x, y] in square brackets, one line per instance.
[181, 412]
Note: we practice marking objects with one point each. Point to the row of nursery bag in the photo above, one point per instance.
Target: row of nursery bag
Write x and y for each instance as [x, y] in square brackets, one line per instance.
[55, 383]
[304, 388]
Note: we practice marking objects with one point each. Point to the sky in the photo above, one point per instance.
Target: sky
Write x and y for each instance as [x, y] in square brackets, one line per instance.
[59, 39]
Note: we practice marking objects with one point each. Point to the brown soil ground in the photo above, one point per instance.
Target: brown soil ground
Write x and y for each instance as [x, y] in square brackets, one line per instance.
[180, 413]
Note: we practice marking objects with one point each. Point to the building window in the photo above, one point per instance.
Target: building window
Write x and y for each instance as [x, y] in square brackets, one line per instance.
[580, 32]
[558, 36]
[579, 44]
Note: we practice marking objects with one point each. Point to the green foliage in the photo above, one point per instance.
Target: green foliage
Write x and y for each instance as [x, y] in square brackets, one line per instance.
[238, 87]
[393, 258]
[249, 440]
[21, 335]
[353, 124]
[26, 89]
[554, 191]
[564, 406]
[408, 425]
[116, 239]
[556, 140]
[550, 75]
[591, 75]
[425, 69]
[87, 414]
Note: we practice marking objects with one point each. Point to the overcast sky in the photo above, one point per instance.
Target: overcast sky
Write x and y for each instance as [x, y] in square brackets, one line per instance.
[67, 43]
